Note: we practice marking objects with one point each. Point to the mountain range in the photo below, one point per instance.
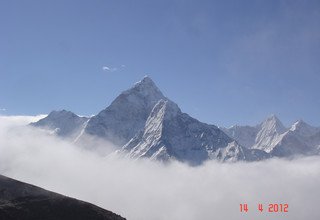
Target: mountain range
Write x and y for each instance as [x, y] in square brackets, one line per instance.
[274, 138]
[143, 123]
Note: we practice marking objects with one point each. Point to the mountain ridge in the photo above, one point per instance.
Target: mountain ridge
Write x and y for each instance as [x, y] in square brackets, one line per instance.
[142, 122]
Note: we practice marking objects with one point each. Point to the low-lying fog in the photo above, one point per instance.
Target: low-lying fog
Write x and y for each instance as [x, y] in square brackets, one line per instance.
[144, 190]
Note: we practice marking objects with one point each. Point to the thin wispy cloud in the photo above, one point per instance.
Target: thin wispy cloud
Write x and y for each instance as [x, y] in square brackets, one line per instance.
[3, 109]
[109, 69]
[112, 69]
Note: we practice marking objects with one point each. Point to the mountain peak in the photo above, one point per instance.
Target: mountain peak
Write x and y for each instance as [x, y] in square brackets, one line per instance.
[145, 88]
[59, 113]
[127, 114]
[64, 123]
[269, 132]
[146, 79]
[272, 117]
[273, 123]
[145, 82]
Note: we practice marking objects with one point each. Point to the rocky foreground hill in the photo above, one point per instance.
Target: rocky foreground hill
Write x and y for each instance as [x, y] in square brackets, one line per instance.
[22, 201]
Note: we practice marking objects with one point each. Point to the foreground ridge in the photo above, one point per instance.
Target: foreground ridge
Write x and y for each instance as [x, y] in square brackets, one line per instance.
[22, 201]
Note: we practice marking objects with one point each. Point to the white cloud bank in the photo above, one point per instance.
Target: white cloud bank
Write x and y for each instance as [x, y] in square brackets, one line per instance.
[144, 190]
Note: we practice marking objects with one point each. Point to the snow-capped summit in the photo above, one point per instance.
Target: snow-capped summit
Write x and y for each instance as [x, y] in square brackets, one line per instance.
[273, 124]
[127, 114]
[146, 84]
[63, 123]
[269, 133]
[145, 89]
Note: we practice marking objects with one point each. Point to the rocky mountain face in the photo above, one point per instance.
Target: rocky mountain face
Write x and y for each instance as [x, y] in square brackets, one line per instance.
[143, 123]
[21, 201]
[234, 152]
[245, 135]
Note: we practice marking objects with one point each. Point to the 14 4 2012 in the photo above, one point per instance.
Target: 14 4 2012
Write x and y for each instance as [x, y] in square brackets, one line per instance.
[271, 207]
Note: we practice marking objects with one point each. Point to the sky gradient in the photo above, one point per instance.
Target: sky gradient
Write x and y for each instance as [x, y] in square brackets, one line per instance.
[222, 62]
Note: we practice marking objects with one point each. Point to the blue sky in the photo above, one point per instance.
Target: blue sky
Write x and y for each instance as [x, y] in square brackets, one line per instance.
[223, 62]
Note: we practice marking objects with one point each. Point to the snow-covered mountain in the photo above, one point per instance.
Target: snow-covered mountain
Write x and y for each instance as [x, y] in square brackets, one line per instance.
[63, 123]
[142, 122]
[262, 136]
[269, 133]
[127, 114]
[301, 138]
[272, 137]
[290, 144]
[170, 134]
